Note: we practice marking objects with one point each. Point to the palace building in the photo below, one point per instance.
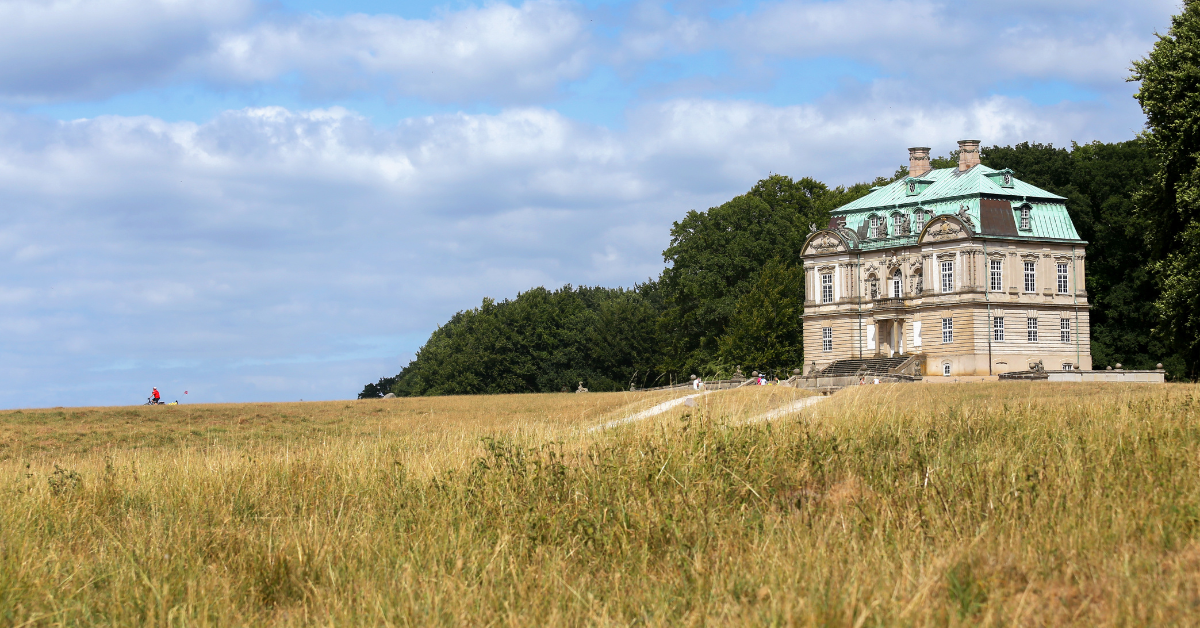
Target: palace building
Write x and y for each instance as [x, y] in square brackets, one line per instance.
[969, 270]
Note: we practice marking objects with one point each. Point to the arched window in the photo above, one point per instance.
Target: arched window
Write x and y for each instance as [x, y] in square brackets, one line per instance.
[897, 284]
[873, 285]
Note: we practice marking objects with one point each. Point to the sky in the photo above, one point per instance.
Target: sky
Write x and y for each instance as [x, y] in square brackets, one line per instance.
[239, 200]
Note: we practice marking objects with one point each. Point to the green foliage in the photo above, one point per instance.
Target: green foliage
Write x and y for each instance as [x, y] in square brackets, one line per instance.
[542, 341]
[1100, 182]
[766, 332]
[715, 256]
[378, 389]
[1170, 203]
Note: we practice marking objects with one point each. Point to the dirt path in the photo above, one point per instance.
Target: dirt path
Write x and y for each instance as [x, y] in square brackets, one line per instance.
[652, 411]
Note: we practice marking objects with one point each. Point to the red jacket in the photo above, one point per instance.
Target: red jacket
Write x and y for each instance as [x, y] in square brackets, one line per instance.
[156, 394]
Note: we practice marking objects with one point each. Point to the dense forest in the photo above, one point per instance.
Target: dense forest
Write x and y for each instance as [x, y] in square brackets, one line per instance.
[731, 292]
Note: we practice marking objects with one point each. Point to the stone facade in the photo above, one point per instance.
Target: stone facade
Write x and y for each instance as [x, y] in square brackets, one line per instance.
[956, 273]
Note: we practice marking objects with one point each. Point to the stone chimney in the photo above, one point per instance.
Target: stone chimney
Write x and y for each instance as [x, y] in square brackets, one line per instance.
[968, 154]
[918, 161]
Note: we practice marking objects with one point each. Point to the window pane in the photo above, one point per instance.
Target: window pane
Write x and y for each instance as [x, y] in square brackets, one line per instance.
[998, 328]
[1031, 329]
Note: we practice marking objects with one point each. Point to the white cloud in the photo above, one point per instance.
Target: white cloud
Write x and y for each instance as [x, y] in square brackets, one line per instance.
[497, 53]
[65, 50]
[942, 46]
[80, 49]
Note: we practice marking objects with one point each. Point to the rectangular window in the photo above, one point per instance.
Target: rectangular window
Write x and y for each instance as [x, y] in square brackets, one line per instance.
[898, 224]
[1031, 329]
[826, 339]
[1030, 278]
[998, 328]
[1064, 329]
[826, 287]
[1067, 366]
[947, 330]
[876, 227]
[997, 279]
[947, 276]
[1062, 278]
[1025, 219]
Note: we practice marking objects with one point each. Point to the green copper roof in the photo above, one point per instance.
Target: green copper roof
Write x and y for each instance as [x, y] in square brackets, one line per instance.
[949, 191]
[947, 183]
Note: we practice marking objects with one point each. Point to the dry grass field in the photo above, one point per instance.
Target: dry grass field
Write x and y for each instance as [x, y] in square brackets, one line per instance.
[992, 504]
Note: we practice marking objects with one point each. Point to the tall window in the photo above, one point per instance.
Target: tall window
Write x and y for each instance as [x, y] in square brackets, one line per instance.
[898, 224]
[947, 330]
[897, 284]
[876, 227]
[1025, 223]
[946, 369]
[1064, 330]
[947, 276]
[1062, 278]
[826, 339]
[1030, 277]
[997, 276]
[826, 287]
[1031, 329]
[997, 328]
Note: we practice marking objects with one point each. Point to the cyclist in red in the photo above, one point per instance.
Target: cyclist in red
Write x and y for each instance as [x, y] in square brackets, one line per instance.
[157, 397]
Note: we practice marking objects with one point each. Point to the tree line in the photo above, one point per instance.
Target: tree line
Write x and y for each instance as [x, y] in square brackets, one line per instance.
[732, 290]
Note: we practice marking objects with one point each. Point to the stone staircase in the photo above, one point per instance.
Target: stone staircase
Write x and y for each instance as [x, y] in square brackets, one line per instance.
[869, 367]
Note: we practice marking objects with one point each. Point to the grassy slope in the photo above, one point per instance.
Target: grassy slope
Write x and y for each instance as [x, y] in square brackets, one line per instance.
[980, 504]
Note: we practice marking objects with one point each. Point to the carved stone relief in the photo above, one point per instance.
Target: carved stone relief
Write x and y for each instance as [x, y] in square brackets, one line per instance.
[944, 230]
[824, 243]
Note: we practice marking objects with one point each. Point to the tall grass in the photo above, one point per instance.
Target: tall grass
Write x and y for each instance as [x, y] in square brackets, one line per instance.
[980, 504]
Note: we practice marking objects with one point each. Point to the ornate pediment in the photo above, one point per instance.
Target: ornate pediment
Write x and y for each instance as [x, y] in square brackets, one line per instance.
[824, 242]
[945, 228]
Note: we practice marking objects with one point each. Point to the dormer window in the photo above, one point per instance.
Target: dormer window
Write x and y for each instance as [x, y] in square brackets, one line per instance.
[877, 227]
[914, 186]
[918, 220]
[898, 226]
[1003, 178]
[1025, 222]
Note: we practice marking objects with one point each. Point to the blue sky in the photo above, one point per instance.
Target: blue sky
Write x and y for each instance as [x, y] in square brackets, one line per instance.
[280, 200]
